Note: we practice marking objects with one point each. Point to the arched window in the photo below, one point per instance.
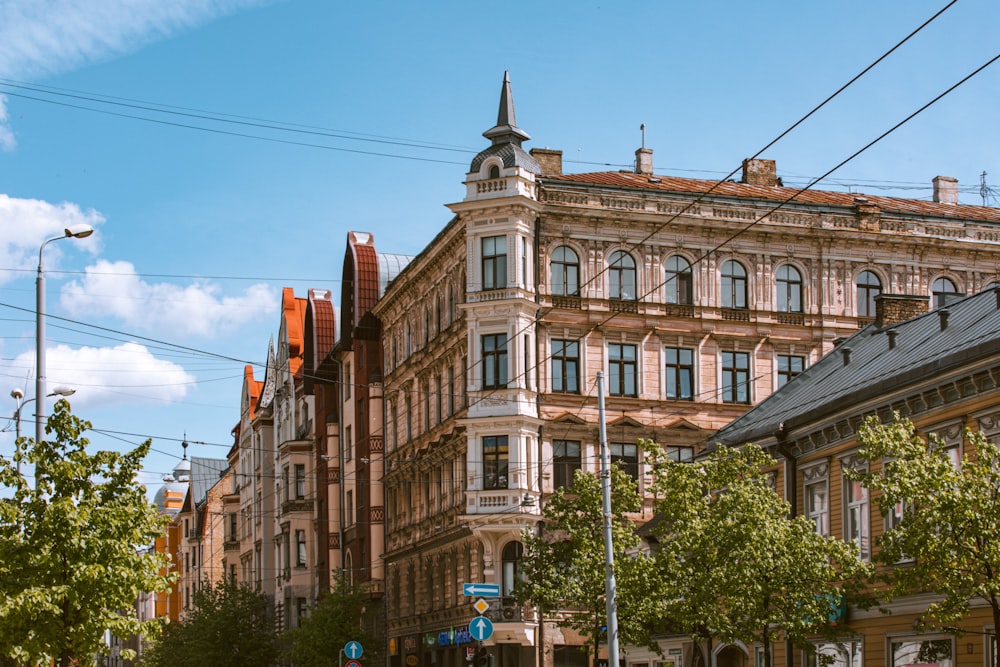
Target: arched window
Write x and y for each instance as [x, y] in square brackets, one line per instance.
[734, 285]
[622, 270]
[565, 272]
[511, 559]
[944, 291]
[679, 284]
[868, 287]
[789, 289]
[494, 171]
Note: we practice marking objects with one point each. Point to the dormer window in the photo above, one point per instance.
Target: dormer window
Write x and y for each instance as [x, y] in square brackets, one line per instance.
[494, 171]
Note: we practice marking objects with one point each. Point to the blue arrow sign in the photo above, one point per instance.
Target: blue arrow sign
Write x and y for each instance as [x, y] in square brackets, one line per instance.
[482, 590]
[353, 650]
[481, 628]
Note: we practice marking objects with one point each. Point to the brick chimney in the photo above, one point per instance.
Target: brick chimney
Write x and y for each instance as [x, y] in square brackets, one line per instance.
[549, 160]
[760, 172]
[945, 189]
[644, 161]
[895, 308]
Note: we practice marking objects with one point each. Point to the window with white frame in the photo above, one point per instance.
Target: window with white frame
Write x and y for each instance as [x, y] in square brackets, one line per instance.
[920, 651]
[834, 654]
[857, 511]
[816, 493]
[494, 262]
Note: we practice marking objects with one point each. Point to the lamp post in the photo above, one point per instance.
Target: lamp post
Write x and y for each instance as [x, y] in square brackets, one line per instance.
[76, 232]
[17, 395]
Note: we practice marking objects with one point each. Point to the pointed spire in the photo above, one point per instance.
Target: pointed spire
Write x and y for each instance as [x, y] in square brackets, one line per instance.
[506, 130]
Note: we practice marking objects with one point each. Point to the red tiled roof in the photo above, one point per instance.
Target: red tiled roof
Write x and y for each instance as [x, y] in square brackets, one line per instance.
[622, 179]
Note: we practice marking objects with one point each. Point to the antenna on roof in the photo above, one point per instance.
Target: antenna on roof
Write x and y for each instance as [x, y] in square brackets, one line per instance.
[642, 128]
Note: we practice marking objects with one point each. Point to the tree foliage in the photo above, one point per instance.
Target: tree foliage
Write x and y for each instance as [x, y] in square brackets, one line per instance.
[333, 622]
[71, 557]
[949, 533]
[564, 566]
[731, 563]
[229, 625]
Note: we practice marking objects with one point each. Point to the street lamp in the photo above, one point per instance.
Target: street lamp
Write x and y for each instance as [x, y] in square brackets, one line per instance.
[17, 395]
[76, 232]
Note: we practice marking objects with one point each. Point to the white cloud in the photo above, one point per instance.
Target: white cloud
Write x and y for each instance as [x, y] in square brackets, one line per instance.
[7, 141]
[26, 223]
[113, 289]
[122, 375]
[55, 36]
[47, 37]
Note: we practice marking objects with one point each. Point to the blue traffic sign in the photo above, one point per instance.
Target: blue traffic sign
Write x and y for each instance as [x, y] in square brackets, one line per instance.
[481, 628]
[482, 590]
[353, 650]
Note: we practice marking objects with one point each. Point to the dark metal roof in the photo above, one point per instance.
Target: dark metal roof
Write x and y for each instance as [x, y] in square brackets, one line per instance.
[921, 348]
[204, 475]
[506, 137]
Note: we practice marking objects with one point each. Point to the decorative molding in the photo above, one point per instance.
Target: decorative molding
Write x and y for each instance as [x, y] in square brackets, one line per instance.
[816, 471]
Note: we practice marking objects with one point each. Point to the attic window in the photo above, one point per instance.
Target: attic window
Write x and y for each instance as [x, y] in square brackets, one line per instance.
[494, 171]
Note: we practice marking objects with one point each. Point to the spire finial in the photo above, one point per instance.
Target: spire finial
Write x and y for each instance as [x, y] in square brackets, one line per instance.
[506, 130]
[184, 444]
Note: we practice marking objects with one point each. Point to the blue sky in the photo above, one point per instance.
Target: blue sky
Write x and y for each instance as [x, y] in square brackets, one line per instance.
[199, 229]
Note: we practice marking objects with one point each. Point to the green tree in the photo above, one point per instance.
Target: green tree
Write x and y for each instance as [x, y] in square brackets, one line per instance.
[949, 533]
[229, 625]
[734, 566]
[564, 566]
[334, 621]
[71, 562]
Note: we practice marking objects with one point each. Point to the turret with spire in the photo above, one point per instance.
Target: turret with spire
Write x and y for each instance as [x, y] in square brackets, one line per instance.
[504, 158]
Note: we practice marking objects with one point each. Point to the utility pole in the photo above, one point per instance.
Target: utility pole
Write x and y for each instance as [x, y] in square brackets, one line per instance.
[611, 605]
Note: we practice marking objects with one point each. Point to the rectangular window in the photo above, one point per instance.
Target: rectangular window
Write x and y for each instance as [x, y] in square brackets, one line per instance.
[495, 462]
[919, 651]
[300, 481]
[856, 527]
[788, 367]
[627, 456]
[621, 369]
[818, 506]
[300, 548]
[566, 366]
[284, 484]
[565, 462]
[347, 380]
[834, 654]
[494, 361]
[735, 377]
[349, 508]
[232, 526]
[494, 262]
[680, 373]
[348, 443]
[681, 454]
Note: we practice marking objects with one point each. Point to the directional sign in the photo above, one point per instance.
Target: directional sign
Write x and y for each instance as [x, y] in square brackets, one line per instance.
[481, 628]
[353, 650]
[484, 590]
